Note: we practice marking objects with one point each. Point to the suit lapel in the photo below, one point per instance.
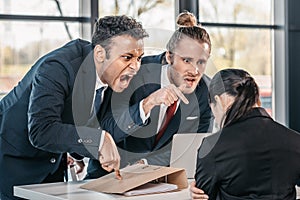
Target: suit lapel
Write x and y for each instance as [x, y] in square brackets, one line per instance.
[83, 90]
[151, 74]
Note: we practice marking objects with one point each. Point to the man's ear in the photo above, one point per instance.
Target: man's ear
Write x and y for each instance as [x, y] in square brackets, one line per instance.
[169, 58]
[99, 54]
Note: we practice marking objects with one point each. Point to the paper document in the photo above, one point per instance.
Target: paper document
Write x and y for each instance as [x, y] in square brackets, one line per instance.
[150, 188]
[138, 175]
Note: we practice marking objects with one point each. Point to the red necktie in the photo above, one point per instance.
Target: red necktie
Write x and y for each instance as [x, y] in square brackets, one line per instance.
[169, 114]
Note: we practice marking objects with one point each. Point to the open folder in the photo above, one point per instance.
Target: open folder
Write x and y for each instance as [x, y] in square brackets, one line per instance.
[151, 188]
[144, 178]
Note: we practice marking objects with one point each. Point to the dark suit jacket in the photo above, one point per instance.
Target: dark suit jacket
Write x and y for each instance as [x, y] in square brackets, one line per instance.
[46, 115]
[254, 158]
[135, 139]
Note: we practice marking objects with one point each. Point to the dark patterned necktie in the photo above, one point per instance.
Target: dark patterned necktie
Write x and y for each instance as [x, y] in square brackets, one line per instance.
[98, 98]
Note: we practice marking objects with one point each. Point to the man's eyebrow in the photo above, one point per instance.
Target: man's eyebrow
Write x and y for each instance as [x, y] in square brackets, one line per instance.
[126, 53]
[186, 57]
[132, 55]
[202, 59]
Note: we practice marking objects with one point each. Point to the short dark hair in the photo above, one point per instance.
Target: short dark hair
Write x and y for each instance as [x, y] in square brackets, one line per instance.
[111, 26]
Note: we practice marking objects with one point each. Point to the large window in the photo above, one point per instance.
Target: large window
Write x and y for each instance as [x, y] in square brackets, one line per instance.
[242, 35]
[157, 16]
[41, 7]
[236, 11]
[29, 29]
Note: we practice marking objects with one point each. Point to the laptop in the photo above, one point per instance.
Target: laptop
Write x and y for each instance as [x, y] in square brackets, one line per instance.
[184, 151]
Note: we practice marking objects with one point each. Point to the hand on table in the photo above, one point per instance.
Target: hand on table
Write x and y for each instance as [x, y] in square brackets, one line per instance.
[197, 193]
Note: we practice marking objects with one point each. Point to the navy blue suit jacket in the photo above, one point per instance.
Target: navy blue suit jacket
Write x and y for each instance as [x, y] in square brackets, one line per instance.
[48, 114]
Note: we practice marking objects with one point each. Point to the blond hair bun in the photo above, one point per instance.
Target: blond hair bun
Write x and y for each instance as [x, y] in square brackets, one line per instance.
[186, 19]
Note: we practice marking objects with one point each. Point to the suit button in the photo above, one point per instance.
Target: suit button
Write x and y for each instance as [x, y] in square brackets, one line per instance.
[79, 140]
[130, 126]
[52, 160]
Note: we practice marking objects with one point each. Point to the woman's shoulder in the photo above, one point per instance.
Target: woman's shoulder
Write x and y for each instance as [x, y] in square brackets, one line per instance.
[208, 144]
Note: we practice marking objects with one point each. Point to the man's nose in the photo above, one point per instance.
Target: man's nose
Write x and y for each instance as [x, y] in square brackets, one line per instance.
[195, 68]
[135, 65]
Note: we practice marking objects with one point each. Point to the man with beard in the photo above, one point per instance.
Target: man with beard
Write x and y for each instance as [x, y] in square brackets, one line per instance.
[138, 121]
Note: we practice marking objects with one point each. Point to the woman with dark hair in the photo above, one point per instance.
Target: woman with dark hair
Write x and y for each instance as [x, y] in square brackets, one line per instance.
[252, 156]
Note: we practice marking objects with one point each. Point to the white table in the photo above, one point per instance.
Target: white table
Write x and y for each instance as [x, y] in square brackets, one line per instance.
[72, 191]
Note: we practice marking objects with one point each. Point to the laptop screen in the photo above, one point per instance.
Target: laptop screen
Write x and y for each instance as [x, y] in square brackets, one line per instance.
[184, 151]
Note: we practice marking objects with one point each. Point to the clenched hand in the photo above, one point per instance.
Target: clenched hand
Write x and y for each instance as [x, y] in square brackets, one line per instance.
[109, 156]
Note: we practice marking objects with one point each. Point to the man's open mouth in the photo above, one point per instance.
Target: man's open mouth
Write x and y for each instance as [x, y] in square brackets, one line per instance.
[125, 79]
[189, 81]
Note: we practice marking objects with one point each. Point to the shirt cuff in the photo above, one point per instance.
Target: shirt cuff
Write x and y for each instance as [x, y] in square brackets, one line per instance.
[145, 161]
[101, 140]
[142, 113]
[76, 157]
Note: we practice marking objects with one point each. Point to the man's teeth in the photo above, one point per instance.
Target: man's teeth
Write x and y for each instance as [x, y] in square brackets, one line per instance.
[126, 77]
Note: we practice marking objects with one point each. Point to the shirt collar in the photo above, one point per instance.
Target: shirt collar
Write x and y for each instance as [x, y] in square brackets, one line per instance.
[99, 83]
[164, 76]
